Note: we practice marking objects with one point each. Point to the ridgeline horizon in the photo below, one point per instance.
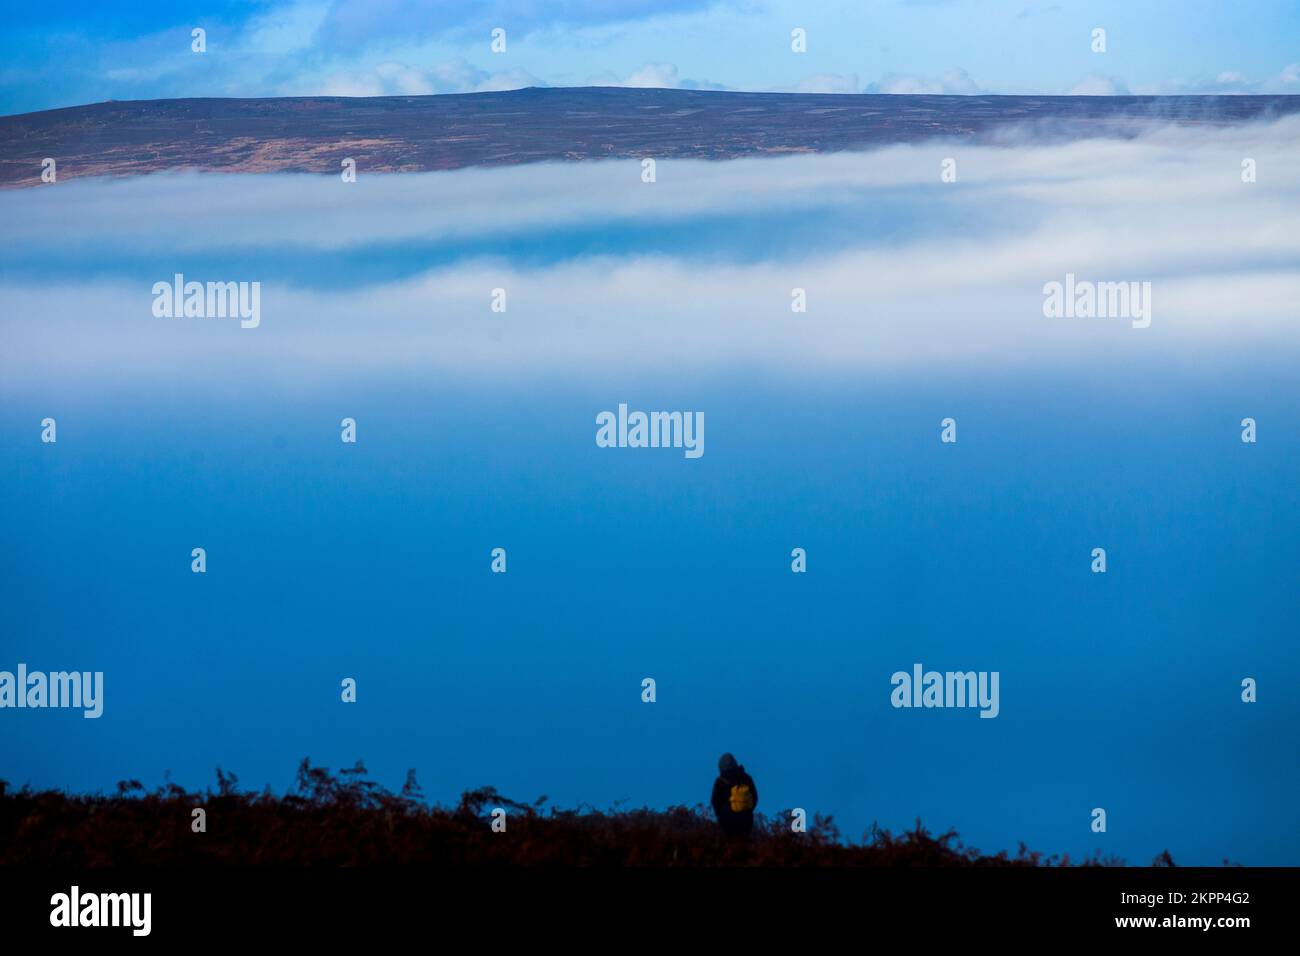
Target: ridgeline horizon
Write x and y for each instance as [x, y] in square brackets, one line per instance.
[444, 131]
[344, 819]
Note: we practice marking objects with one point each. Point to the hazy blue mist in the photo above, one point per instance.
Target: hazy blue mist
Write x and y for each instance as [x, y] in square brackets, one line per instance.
[476, 431]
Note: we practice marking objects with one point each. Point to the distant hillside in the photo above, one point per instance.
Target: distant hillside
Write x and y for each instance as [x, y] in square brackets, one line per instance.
[414, 133]
[346, 820]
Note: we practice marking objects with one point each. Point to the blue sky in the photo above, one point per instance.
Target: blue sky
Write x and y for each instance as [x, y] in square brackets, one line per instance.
[326, 560]
[70, 54]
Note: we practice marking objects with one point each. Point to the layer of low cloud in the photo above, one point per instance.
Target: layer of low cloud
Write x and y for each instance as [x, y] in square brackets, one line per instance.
[398, 79]
[953, 82]
[1096, 84]
[824, 83]
[663, 76]
[962, 289]
[1286, 82]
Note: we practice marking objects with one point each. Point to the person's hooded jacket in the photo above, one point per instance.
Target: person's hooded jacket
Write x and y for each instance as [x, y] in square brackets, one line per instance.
[735, 795]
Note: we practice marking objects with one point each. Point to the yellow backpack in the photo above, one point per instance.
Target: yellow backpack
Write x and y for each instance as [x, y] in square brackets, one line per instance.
[742, 798]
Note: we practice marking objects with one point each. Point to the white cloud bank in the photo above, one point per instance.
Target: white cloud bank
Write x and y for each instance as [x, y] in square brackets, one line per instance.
[953, 82]
[1096, 84]
[1223, 258]
[398, 79]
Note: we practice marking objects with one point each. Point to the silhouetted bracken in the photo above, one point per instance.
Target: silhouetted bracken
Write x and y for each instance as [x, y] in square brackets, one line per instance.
[345, 819]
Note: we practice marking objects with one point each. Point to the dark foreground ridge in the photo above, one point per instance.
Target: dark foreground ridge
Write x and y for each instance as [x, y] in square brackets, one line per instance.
[347, 820]
[452, 131]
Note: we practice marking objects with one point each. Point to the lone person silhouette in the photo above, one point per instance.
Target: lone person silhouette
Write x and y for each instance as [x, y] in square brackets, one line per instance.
[735, 796]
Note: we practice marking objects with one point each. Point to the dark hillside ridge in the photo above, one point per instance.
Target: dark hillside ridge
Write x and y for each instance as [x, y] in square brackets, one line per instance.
[446, 131]
[344, 819]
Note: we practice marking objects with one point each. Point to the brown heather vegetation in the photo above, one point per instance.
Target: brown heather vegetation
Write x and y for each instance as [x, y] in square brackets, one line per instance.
[346, 820]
